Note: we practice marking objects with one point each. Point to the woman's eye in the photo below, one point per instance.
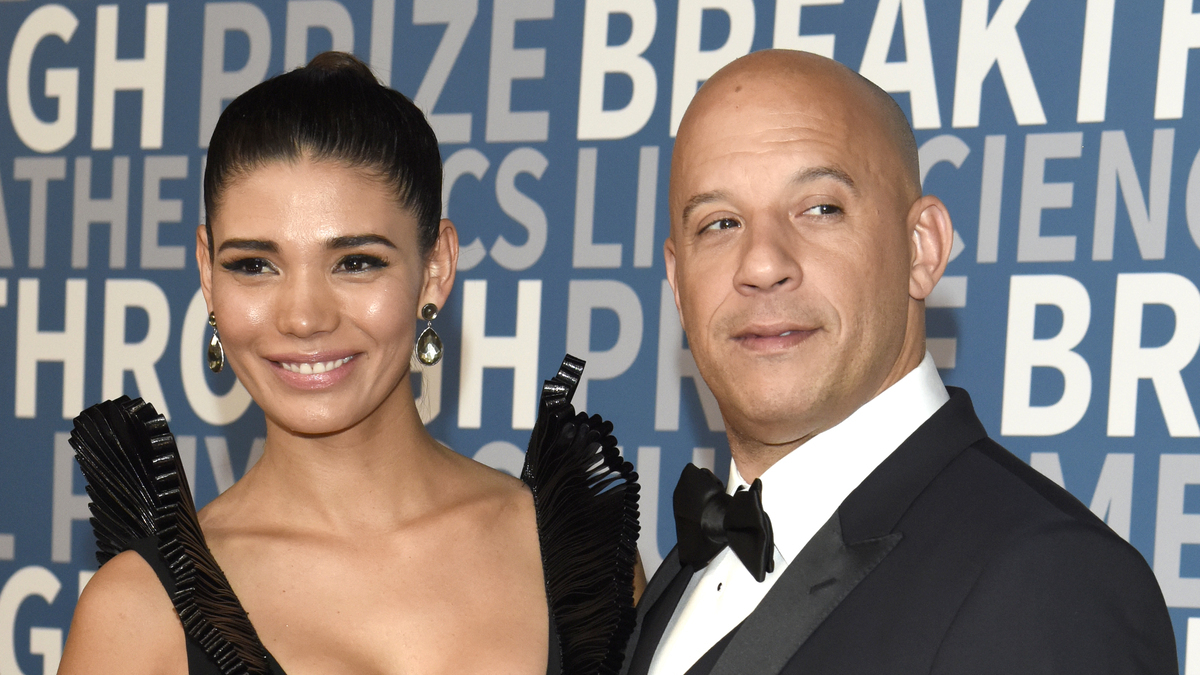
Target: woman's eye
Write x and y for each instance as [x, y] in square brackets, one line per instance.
[823, 210]
[248, 266]
[361, 263]
[722, 224]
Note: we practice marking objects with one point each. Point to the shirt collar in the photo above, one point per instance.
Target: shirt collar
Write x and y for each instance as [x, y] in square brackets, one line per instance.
[803, 489]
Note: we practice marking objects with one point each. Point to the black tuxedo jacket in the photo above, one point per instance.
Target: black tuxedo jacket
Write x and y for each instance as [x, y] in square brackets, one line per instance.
[953, 556]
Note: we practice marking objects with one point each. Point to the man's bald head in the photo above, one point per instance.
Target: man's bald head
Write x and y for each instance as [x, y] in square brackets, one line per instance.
[807, 74]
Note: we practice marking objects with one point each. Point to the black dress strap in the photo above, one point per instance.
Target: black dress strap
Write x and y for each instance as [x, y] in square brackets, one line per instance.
[198, 662]
[141, 501]
[586, 498]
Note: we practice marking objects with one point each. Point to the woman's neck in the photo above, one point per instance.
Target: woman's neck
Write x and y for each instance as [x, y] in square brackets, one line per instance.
[384, 470]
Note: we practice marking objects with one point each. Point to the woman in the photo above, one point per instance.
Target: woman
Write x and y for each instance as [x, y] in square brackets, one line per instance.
[357, 544]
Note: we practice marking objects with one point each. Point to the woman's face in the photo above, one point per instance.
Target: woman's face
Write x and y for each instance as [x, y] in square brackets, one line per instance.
[316, 279]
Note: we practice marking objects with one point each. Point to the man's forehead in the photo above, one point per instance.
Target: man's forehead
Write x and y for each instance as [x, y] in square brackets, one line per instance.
[758, 127]
[759, 106]
[756, 133]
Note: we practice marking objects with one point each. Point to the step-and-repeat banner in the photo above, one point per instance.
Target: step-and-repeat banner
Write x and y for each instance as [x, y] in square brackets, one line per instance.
[1063, 137]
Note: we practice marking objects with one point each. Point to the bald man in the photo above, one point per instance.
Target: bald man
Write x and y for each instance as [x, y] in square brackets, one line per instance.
[897, 537]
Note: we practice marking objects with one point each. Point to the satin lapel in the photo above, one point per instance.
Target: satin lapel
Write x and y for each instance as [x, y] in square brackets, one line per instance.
[654, 612]
[820, 577]
[658, 583]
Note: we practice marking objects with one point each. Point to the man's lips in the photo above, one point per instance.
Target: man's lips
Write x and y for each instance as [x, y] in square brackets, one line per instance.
[771, 338]
[772, 331]
[771, 335]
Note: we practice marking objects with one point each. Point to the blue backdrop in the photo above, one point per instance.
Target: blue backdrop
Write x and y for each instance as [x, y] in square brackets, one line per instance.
[1062, 136]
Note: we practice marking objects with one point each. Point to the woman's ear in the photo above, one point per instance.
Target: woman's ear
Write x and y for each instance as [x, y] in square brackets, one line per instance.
[205, 263]
[932, 239]
[440, 266]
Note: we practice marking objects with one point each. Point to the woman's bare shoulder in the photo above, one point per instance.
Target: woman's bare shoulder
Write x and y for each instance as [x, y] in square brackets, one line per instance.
[479, 480]
[511, 494]
[125, 623]
[498, 502]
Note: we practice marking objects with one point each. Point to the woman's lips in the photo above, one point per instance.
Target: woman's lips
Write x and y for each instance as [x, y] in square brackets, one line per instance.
[307, 368]
[313, 372]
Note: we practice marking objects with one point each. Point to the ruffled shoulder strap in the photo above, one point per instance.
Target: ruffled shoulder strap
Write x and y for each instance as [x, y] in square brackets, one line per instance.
[585, 496]
[140, 494]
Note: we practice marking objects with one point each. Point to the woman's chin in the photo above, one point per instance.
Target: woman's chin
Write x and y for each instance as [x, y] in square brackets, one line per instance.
[312, 423]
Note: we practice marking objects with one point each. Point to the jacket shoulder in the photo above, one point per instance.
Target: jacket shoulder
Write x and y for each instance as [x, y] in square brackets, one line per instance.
[1050, 576]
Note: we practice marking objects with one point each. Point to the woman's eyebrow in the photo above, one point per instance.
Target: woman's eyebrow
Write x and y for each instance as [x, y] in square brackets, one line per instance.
[357, 240]
[249, 245]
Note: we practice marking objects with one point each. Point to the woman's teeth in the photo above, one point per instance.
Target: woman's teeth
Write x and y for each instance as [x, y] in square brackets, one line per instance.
[315, 368]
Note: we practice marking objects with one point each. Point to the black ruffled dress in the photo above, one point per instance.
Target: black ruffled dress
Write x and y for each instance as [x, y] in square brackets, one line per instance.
[585, 497]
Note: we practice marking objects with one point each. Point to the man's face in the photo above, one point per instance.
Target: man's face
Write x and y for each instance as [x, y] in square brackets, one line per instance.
[789, 252]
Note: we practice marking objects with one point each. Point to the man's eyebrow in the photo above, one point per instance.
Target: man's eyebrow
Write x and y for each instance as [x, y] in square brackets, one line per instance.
[700, 200]
[249, 245]
[357, 240]
[802, 176]
[819, 172]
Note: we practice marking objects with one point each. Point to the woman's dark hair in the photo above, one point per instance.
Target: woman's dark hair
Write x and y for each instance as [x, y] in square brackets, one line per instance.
[333, 109]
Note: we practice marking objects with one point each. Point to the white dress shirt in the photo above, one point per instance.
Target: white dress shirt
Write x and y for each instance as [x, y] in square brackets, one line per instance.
[800, 493]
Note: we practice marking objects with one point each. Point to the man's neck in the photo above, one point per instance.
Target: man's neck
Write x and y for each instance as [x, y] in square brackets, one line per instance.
[752, 455]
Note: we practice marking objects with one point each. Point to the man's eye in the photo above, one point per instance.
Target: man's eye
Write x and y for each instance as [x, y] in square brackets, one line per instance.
[823, 210]
[248, 266]
[722, 224]
[361, 263]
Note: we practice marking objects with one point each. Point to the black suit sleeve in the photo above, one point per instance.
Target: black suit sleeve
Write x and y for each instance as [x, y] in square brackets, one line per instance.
[1065, 598]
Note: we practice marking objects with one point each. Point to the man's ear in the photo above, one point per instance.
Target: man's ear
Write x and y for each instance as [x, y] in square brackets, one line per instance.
[669, 258]
[440, 266]
[205, 263]
[932, 239]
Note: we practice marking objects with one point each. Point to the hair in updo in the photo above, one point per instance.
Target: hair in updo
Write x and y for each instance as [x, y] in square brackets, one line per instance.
[333, 109]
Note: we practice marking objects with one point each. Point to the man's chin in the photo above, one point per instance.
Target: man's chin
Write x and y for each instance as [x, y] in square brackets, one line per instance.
[790, 385]
[772, 422]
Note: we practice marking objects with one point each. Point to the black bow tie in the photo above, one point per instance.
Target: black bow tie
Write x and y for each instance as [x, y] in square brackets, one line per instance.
[707, 520]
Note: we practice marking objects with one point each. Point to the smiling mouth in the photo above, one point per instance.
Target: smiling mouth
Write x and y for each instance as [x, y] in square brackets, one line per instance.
[314, 368]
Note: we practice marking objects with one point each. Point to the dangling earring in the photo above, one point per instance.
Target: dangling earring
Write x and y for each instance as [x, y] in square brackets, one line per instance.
[429, 345]
[216, 352]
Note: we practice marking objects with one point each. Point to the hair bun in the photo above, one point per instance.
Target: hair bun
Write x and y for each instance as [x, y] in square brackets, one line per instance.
[339, 63]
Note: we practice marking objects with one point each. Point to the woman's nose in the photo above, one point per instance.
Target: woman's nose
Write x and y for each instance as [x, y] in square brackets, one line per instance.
[307, 305]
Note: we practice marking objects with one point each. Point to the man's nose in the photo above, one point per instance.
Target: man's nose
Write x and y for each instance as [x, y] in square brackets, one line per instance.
[769, 257]
[307, 305]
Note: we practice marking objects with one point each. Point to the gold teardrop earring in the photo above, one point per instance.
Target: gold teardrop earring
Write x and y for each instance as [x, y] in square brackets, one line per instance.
[429, 345]
[216, 352]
